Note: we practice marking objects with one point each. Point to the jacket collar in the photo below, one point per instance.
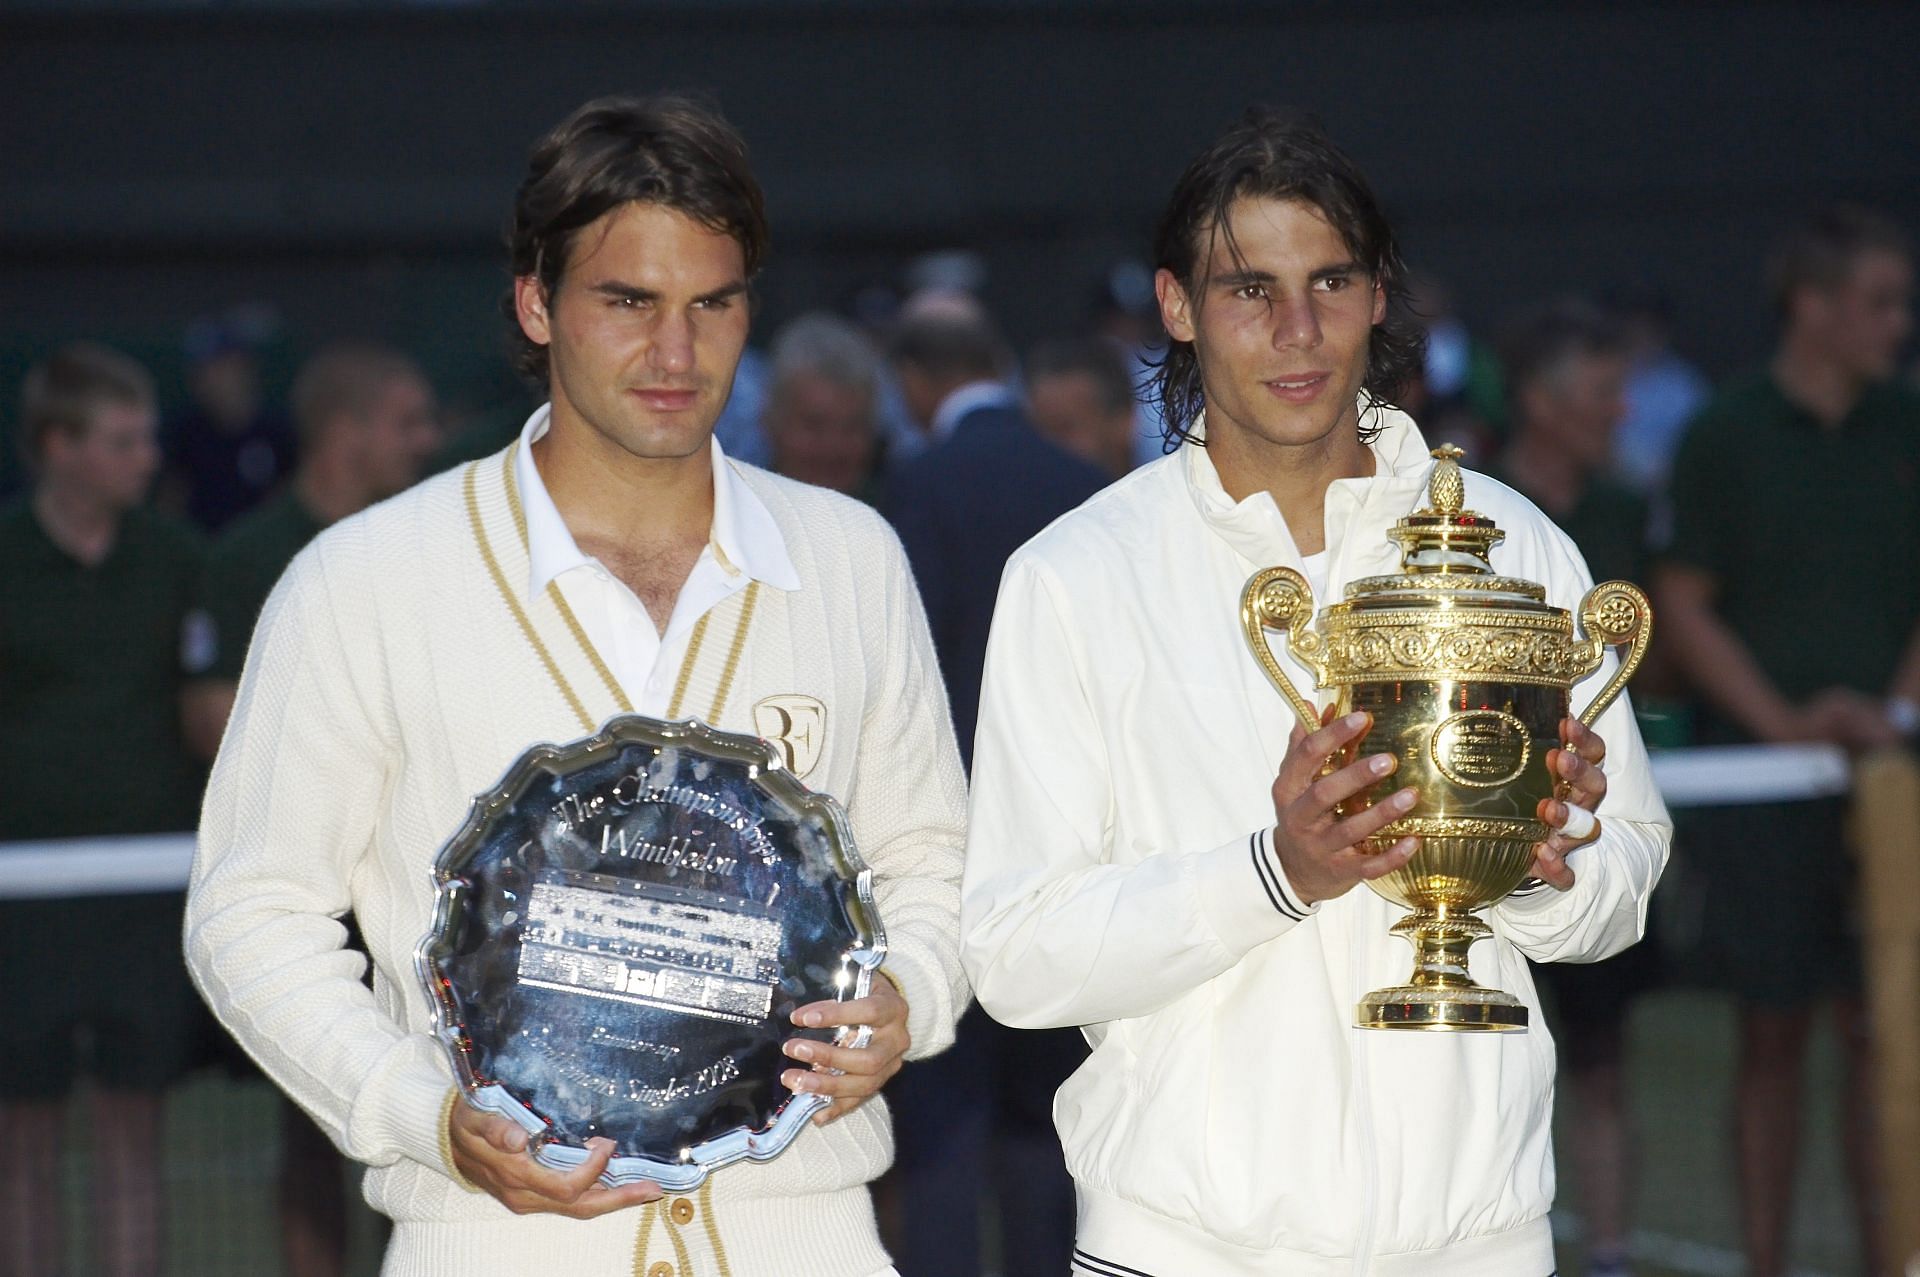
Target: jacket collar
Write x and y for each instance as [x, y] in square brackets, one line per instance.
[1257, 532]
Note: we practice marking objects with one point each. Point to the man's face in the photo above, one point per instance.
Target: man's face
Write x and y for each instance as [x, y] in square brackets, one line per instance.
[1069, 409]
[1281, 337]
[822, 432]
[644, 331]
[1578, 405]
[398, 435]
[1864, 320]
[112, 461]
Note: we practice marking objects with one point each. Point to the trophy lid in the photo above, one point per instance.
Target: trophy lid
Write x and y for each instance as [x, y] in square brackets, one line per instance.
[1444, 547]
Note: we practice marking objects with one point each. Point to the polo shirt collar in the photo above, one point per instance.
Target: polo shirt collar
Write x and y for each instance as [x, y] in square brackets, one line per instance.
[1255, 527]
[967, 400]
[744, 540]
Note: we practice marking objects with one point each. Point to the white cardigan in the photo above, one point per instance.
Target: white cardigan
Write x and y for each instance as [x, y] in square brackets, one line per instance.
[387, 685]
[1231, 1119]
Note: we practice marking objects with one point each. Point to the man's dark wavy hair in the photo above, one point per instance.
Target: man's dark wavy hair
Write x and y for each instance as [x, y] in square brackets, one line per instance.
[1278, 155]
[669, 150]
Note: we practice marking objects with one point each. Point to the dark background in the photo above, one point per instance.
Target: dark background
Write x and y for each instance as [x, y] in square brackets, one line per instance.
[353, 164]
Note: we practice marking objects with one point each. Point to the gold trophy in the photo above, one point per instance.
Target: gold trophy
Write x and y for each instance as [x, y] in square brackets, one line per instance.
[1466, 675]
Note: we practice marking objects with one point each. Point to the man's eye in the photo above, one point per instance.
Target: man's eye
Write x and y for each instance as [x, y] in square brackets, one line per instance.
[1334, 283]
[1250, 292]
[715, 303]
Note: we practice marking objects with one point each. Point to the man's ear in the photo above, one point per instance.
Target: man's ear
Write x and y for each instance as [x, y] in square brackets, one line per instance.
[530, 308]
[1379, 302]
[1176, 309]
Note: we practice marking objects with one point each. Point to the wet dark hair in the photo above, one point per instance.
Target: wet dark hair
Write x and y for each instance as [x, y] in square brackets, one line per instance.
[669, 150]
[1283, 155]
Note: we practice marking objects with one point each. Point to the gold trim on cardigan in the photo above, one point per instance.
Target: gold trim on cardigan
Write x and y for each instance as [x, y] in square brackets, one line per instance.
[696, 643]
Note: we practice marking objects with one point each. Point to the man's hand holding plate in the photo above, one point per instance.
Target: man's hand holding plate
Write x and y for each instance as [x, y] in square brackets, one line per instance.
[849, 1075]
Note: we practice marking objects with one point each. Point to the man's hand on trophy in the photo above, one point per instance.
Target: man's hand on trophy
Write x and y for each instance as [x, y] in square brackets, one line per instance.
[1578, 795]
[849, 1075]
[492, 1153]
[1324, 856]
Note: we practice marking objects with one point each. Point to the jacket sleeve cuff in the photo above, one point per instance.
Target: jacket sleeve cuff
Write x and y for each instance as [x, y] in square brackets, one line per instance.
[930, 1019]
[403, 1108]
[1244, 894]
[446, 1144]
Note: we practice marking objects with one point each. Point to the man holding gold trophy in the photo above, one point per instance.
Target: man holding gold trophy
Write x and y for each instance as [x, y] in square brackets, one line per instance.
[611, 564]
[1168, 824]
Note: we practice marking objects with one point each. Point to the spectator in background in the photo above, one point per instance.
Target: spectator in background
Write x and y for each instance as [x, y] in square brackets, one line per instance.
[1080, 394]
[1663, 392]
[367, 424]
[229, 450]
[821, 416]
[1793, 603]
[1566, 367]
[1126, 311]
[97, 588]
[978, 1117]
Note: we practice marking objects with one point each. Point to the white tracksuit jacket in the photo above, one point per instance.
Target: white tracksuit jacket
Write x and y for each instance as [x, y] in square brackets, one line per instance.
[1231, 1120]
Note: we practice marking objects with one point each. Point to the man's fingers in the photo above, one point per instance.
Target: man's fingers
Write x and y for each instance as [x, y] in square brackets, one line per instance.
[837, 1085]
[1550, 864]
[863, 1060]
[1583, 740]
[1572, 825]
[868, 1010]
[1310, 753]
[1336, 787]
[1354, 830]
[1375, 865]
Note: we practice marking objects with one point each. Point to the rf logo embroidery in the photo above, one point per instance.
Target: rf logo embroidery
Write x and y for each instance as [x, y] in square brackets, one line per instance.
[796, 725]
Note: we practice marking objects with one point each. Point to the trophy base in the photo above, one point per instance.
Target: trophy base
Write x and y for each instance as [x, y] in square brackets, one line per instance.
[1442, 995]
[1464, 1010]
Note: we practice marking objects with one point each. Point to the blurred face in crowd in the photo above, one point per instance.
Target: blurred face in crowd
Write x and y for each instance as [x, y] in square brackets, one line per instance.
[644, 330]
[227, 387]
[1576, 405]
[1862, 322]
[1070, 409]
[111, 462]
[1282, 336]
[822, 432]
[397, 435]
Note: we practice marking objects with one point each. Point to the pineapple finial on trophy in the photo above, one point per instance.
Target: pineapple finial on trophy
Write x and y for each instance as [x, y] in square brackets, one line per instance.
[1446, 489]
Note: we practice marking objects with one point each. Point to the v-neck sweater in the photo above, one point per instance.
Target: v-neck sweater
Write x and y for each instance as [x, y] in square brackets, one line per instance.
[389, 683]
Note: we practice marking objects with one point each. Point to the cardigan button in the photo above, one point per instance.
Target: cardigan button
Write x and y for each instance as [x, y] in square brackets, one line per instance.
[681, 1211]
[661, 1269]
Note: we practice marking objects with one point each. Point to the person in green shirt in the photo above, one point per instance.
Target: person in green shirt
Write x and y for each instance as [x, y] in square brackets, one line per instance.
[1792, 596]
[97, 587]
[1566, 370]
[367, 424]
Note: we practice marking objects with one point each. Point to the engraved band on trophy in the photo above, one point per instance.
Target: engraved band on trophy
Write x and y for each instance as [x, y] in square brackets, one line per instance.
[1466, 675]
[624, 926]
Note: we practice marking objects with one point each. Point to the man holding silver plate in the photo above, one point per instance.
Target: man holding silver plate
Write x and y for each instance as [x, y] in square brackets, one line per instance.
[1167, 832]
[651, 952]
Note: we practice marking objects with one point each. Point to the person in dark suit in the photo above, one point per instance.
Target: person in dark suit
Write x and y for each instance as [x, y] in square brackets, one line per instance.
[977, 1118]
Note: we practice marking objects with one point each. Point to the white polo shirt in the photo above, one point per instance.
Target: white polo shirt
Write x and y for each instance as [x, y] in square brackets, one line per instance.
[744, 544]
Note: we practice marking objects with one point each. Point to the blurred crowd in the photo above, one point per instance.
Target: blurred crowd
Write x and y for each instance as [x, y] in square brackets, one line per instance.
[143, 538]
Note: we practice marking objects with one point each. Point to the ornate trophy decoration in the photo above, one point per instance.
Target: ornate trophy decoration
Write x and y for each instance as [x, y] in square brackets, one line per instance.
[1466, 674]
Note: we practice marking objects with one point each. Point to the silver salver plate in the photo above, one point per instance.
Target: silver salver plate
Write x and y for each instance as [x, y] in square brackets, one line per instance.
[623, 929]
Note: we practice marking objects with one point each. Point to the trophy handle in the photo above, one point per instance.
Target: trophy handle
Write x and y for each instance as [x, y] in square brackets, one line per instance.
[1281, 599]
[1614, 613]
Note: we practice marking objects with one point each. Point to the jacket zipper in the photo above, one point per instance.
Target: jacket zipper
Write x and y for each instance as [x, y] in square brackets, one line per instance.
[1356, 969]
[1370, 1161]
